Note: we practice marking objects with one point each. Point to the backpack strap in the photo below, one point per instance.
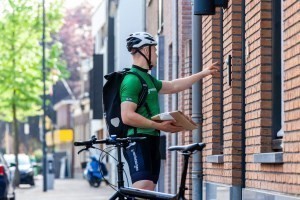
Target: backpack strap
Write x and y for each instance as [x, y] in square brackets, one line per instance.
[142, 96]
[144, 91]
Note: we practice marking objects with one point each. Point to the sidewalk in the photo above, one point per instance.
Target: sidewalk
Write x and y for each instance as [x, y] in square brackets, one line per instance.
[65, 189]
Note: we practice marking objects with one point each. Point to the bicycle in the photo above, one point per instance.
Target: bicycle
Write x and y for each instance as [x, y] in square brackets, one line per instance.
[122, 192]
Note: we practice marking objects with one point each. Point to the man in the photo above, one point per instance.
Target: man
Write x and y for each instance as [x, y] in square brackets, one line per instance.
[143, 157]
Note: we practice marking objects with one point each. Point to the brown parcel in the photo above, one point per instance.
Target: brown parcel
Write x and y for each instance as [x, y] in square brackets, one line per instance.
[180, 118]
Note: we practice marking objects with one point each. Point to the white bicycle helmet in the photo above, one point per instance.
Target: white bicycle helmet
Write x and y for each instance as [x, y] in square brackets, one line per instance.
[138, 40]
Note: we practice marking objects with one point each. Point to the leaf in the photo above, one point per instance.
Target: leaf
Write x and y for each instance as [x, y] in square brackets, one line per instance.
[21, 54]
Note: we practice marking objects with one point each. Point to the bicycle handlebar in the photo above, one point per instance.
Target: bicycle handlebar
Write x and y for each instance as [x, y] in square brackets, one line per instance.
[89, 142]
[109, 141]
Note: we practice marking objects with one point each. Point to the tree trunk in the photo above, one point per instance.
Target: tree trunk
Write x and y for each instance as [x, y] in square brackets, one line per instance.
[16, 145]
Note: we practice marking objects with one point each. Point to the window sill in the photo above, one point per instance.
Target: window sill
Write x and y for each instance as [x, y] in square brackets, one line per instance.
[269, 158]
[215, 158]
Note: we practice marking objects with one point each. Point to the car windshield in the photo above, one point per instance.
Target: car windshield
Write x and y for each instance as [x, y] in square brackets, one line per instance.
[9, 159]
[23, 159]
[2, 161]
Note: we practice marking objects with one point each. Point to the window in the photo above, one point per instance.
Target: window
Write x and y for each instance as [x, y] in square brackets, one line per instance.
[277, 71]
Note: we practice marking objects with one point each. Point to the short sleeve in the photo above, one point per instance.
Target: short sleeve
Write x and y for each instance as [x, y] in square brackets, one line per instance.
[157, 83]
[130, 89]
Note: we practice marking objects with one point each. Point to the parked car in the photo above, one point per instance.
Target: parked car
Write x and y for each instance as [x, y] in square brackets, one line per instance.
[6, 182]
[25, 168]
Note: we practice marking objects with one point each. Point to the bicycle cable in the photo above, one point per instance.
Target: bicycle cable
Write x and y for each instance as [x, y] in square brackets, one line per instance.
[114, 187]
[107, 152]
[100, 159]
[101, 150]
[113, 148]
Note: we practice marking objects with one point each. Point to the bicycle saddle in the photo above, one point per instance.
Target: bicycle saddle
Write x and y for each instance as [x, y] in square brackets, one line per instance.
[188, 148]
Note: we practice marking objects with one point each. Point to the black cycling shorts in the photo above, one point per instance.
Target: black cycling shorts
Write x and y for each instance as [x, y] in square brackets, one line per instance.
[143, 159]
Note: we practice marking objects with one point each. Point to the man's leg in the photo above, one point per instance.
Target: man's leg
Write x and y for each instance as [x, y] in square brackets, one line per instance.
[144, 184]
[144, 163]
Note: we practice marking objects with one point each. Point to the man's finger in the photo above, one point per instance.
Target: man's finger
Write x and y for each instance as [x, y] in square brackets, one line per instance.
[215, 67]
[172, 124]
[215, 63]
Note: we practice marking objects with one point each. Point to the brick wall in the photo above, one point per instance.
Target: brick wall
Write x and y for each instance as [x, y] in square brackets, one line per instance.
[258, 88]
[211, 97]
[275, 177]
[291, 59]
[232, 100]
[258, 32]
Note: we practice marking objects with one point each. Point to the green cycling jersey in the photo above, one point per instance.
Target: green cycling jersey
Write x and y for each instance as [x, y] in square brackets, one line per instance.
[130, 89]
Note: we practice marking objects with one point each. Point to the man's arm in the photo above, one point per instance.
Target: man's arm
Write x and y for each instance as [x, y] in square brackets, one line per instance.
[131, 118]
[177, 85]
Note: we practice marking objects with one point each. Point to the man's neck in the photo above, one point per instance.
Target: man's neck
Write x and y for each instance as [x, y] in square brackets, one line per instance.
[141, 65]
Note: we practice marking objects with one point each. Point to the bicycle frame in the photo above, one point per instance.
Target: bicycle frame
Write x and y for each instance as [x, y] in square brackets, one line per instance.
[128, 192]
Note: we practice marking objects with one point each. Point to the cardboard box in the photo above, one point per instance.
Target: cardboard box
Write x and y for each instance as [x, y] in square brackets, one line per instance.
[179, 117]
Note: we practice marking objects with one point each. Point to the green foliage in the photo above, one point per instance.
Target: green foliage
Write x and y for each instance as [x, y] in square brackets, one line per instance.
[21, 26]
[38, 154]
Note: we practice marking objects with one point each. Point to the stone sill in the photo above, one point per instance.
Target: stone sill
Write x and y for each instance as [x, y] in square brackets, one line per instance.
[215, 158]
[269, 158]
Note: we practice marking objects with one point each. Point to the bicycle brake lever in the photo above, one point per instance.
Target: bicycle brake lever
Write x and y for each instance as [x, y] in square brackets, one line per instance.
[85, 149]
[81, 150]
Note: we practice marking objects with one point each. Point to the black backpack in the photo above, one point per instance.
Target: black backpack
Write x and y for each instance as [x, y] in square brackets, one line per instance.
[112, 101]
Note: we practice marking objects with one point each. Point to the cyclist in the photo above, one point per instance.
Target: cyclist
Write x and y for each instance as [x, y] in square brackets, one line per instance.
[143, 157]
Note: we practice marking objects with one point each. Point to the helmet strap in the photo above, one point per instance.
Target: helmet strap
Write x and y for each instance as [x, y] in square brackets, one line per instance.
[148, 60]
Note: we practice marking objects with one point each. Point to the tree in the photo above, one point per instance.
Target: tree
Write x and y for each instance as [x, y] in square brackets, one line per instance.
[21, 85]
[76, 35]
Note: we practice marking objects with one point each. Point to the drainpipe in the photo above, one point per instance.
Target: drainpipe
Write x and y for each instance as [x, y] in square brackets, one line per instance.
[174, 96]
[144, 15]
[243, 87]
[197, 173]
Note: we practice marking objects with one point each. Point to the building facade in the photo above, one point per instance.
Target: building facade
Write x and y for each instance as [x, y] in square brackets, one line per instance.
[250, 111]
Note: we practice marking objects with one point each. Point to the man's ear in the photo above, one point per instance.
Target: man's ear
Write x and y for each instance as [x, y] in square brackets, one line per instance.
[146, 50]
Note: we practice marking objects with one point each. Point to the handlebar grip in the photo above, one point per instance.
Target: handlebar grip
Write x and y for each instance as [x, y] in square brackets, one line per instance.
[108, 141]
[136, 138]
[105, 141]
[83, 143]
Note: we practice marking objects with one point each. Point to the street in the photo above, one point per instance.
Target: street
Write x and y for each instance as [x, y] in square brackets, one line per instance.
[66, 189]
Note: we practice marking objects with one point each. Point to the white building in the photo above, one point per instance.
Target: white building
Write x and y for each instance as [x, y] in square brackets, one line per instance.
[129, 18]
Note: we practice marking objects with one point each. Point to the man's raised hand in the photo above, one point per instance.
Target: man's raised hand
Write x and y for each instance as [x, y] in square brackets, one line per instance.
[212, 69]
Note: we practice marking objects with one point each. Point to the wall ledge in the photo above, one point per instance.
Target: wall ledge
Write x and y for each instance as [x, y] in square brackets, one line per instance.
[215, 158]
[268, 158]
